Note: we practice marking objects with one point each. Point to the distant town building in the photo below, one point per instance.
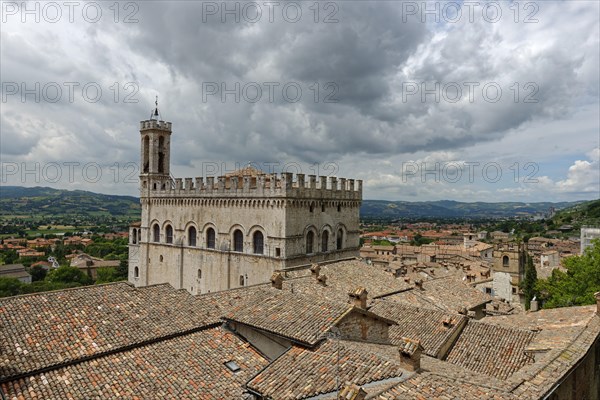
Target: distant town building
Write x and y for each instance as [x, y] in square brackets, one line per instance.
[90, 265]
[588, 234]
[15, 271]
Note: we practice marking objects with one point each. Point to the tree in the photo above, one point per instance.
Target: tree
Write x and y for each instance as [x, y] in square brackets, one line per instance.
[10, 257]
[66, 274]
[577, 285]
[38, 273]
[529, 281]
[123, 270]
[10, 287]
[106, 275]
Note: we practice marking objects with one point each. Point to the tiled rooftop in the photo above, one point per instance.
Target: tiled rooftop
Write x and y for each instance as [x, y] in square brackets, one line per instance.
[295, 316]
[445, 293]
[491, 349]
[343, 277]
[187, 367]
[426, 325]
[53, 328]
[436, 387]
[301, 372]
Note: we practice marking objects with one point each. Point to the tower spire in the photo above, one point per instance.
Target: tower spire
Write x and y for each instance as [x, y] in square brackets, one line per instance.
[155, 114]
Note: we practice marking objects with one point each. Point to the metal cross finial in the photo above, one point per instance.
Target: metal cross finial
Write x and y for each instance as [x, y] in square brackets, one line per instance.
[156, 102]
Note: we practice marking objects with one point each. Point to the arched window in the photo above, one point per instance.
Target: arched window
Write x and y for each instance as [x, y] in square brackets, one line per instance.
[210, 238]
[242, 280]
[310, 238]
[258, 241]
[199, 274]
[136, 272]
[340, 239]
[169, 234]
[145, 161]
[156, 233]
[161, 155]
[191, 236]
[238, 241]
[134, 237]
[324, 241]
[505, 261]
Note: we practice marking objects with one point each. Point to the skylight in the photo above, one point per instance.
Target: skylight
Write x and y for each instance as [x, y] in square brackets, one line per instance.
[232, 365]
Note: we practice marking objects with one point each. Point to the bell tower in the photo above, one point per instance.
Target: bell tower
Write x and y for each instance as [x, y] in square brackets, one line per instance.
[155, 153]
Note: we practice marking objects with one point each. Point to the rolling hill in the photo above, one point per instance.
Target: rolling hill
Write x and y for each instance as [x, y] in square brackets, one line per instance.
[40, 201]
[16, 200]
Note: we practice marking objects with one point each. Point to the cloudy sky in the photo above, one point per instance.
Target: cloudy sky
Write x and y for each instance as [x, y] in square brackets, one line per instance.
[470, 101]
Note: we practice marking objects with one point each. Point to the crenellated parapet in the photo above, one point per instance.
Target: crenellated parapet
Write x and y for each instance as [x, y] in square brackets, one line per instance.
[298, 186]
[154, 124]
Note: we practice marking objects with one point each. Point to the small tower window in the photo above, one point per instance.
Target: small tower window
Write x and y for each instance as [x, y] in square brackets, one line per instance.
[156, 233]
[323, 207]
[161, 155]
[310, 238]
[210, 238]
[169, 234]
[311, 208]
[146, 157]
[339, 207]
[134, 236]
[191, 236]
[199, 274]
[136, 272]
[258, 242]
[238, 241]
[505, 261]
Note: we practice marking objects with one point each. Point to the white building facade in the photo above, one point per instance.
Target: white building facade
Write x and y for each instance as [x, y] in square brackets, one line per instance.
[206, 234]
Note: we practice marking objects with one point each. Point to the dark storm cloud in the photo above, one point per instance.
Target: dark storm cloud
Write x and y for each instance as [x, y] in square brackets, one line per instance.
[370, 54]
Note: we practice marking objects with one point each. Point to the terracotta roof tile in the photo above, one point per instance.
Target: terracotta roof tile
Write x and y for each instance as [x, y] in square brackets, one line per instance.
[301, 372]
[53, 328]
[433, 328]
[299, 317]
[491, 349]
[186, 367]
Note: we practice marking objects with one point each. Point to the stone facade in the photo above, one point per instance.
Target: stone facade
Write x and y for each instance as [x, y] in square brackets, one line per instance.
[208, 234]
[510, 258]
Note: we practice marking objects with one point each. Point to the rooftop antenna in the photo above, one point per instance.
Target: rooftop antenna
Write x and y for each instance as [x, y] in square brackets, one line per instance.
[155, 115]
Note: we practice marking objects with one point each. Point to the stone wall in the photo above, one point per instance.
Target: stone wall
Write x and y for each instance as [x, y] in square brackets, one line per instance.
[357, 326]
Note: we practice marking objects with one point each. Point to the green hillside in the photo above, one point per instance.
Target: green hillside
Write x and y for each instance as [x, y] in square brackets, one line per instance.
[380, 209]
[18, 201]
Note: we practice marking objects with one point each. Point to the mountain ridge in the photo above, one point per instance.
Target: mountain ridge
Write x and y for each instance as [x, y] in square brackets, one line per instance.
[45, 200]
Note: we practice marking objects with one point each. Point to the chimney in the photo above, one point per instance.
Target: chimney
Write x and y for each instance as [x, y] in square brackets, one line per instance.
[597, 296]
[351, 391]
[419, 283]
[448, 322]
[358, 297]
[410, 354]
[277, 281]
[322, 279]
[533, 305]
[315, 269]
